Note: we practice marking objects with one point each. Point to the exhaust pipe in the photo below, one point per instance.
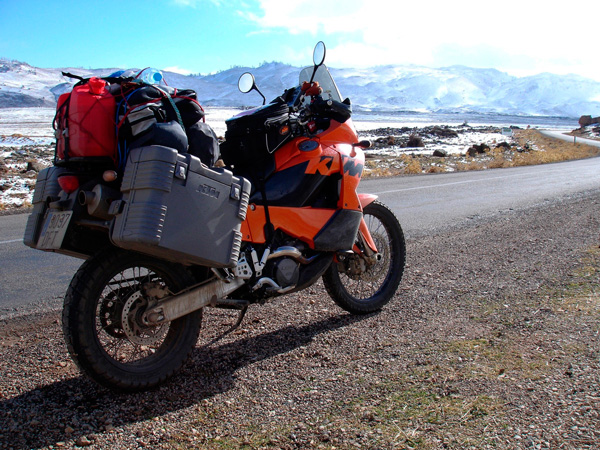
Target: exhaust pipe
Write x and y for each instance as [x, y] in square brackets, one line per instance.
[98, 201]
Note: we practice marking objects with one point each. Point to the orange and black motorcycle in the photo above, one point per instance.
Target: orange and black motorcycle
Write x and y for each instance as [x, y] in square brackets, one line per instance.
[164, 234]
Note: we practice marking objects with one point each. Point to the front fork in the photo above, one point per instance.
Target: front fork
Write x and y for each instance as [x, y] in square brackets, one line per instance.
[364, 255]
[364, 236]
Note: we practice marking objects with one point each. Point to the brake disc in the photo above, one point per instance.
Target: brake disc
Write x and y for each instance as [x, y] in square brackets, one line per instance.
[134, 329]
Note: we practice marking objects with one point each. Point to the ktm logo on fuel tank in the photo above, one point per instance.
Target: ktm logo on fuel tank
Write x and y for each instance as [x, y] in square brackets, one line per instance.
[351, 167]
[322, 166]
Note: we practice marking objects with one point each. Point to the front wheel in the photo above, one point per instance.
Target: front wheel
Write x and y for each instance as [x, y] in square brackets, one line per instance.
[103, 327]
[361, 284]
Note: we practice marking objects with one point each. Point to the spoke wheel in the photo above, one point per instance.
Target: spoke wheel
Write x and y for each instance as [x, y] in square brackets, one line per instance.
[103, 327]
[361, 284]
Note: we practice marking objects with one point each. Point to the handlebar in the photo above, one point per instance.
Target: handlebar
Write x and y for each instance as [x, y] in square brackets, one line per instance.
[307, 104]
[339, 111]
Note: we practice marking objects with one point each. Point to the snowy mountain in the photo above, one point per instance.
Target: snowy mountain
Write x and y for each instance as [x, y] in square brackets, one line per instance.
[452, 89]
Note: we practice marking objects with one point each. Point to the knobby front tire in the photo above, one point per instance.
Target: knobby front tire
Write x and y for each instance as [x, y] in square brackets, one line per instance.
[368, 289]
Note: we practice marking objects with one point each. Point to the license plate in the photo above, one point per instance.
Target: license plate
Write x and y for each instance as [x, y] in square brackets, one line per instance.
[54, 229]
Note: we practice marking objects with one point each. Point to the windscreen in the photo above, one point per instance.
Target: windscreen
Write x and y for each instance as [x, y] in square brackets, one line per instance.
[330, 90]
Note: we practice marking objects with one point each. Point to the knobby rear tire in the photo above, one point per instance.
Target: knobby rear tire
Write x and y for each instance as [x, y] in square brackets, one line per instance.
[372, 289]
[119, 355]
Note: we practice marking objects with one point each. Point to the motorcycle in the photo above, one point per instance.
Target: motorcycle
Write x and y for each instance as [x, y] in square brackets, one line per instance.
[283, 213]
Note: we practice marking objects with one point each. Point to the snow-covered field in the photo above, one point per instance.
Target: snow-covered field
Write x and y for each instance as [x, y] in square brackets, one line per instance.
[33, 126]
[26, 126]
[26, 138]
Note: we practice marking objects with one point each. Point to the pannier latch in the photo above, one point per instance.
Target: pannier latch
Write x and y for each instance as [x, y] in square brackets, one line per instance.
[236, 192]
[116, 207]
[180, 170]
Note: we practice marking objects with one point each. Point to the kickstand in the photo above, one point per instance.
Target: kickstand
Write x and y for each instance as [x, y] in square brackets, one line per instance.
[233, 328]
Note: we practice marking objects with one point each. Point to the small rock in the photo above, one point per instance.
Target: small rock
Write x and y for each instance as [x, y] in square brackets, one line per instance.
[35, 165]
[443, 132]
[477, 149]
[83, 441]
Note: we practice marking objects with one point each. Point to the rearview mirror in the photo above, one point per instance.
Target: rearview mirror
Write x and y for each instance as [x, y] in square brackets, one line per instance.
[246, 82]
[319, 53]
[318, 58]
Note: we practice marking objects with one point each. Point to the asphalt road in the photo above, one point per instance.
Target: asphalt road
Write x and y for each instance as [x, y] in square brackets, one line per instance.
[429, 203]
[424, 204]
[563, 137]
[29, 277]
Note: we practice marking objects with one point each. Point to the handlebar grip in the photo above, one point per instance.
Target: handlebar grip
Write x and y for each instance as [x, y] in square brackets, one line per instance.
[342, 109]
[313, 89]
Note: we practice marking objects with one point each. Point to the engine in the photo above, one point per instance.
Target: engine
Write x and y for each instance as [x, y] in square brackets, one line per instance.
[271, 273]
[285, 271]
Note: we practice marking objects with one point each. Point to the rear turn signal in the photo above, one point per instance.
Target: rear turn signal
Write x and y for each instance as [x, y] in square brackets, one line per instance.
[68, 183]
[109, 175]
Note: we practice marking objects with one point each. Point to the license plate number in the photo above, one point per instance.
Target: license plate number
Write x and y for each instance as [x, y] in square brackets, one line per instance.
[54, 229]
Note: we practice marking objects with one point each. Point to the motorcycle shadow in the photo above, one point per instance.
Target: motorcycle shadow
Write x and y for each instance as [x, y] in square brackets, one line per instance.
[71, 409]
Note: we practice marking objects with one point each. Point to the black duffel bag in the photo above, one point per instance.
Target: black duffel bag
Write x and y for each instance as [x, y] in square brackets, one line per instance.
[251, 138]
[156, 115]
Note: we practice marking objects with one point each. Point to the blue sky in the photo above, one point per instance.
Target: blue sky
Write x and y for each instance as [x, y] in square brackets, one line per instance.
[201, 36]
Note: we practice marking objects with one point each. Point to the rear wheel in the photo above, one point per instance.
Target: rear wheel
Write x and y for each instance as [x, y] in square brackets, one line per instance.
[103, 327]
[361, 284]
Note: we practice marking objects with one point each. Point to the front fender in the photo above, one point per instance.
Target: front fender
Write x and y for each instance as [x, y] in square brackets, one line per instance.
[366, 199]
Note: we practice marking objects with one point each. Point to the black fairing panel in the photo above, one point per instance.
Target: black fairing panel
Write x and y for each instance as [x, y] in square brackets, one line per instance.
[340, 232]
[294, 188]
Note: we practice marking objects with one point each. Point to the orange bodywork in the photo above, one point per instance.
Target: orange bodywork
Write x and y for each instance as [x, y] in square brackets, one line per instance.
[301, 223]
[330, 154]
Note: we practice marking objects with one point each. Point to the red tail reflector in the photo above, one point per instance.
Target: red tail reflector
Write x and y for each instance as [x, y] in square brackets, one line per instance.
[68, 183]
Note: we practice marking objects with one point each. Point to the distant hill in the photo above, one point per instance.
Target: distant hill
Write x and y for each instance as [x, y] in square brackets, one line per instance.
[452, 89]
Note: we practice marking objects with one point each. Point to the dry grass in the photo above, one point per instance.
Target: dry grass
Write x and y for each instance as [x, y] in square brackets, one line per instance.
[412, 165]
[531, 148]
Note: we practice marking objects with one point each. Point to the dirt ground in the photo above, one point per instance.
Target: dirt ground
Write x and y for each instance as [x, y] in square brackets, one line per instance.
[492, 341]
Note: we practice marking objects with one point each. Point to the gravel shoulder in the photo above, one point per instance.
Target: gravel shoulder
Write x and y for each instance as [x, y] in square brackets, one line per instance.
[491, 342]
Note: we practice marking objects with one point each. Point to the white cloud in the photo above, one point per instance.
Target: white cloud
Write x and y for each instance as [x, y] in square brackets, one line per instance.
[511, 35]
[298, 16]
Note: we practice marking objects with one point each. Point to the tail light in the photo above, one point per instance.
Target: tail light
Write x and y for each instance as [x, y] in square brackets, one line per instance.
[68, 183]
